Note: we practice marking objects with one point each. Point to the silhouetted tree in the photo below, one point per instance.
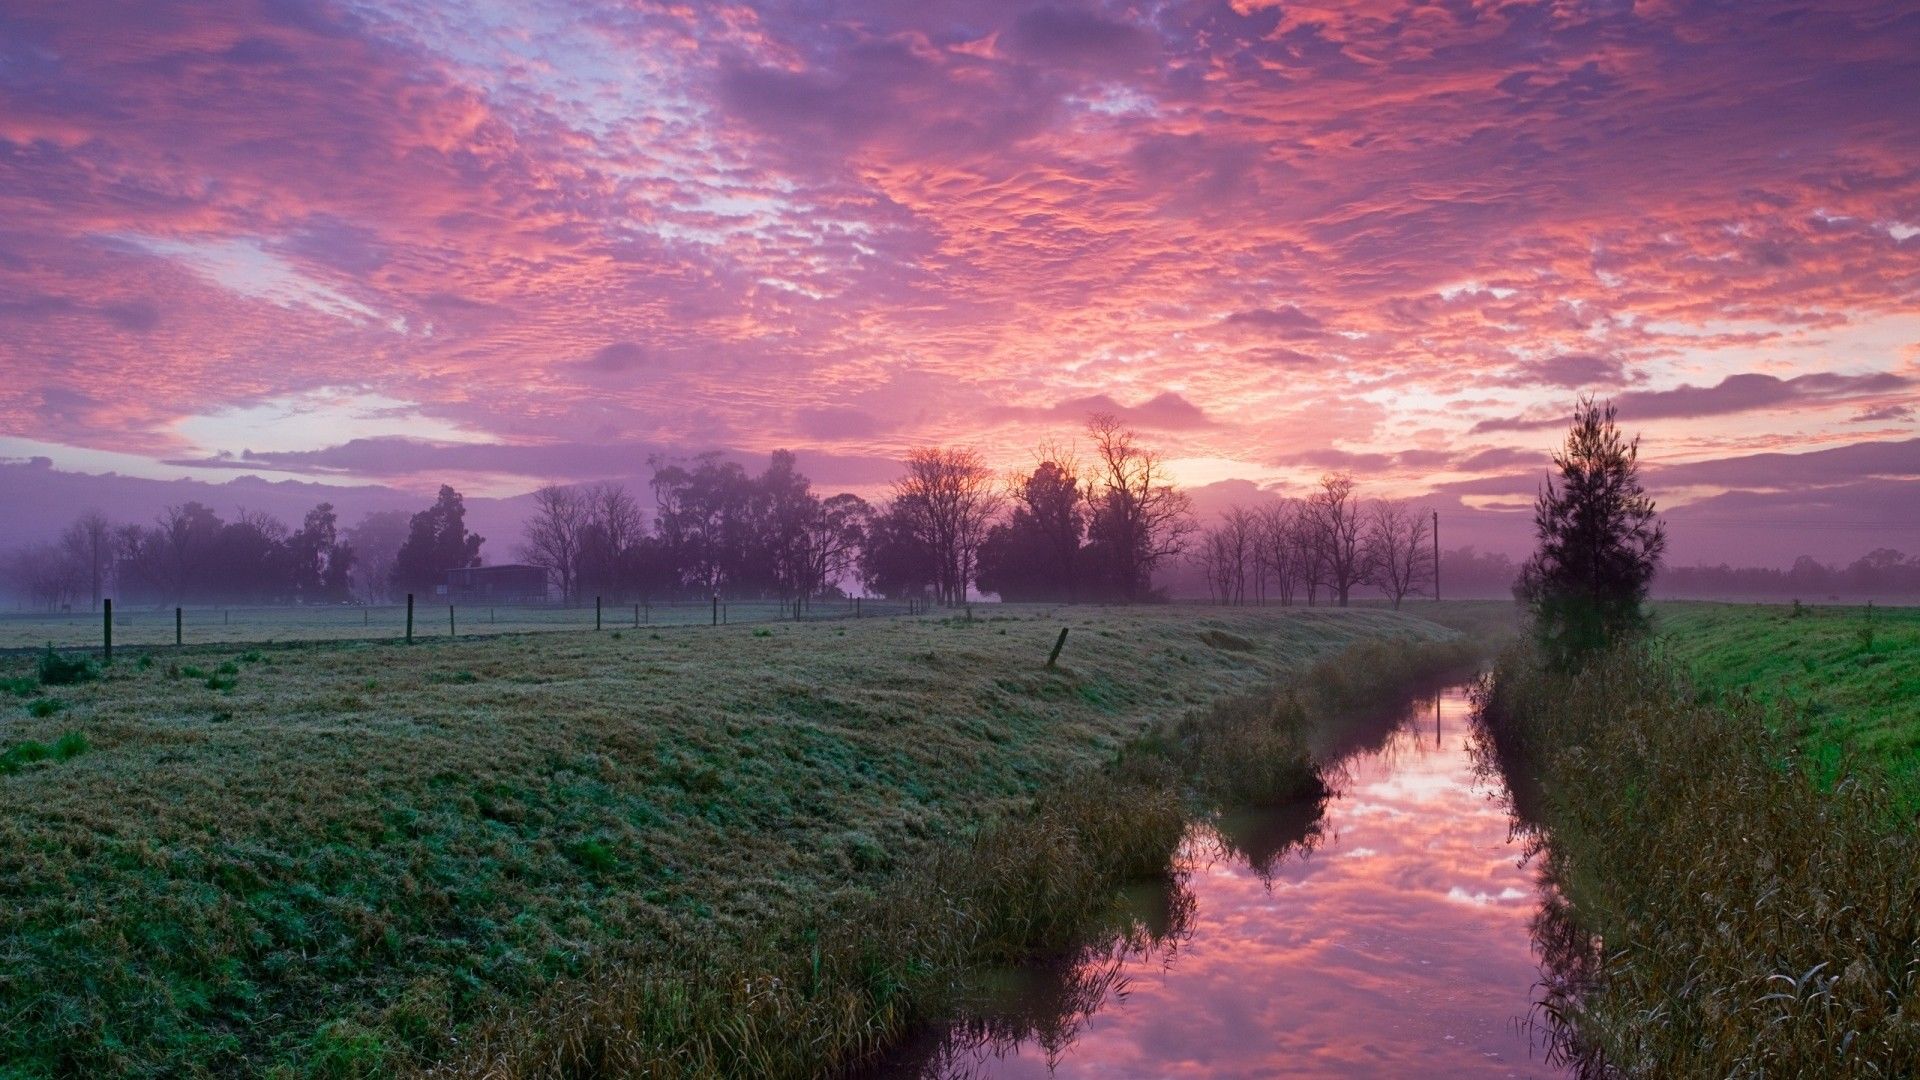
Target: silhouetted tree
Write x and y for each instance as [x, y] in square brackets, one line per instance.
[375, 543]
[437, 541]
[1139, 519]
[555, 534]
[897, 562]
[948, 496]
[1333, 515]
[1600, 541]
[1035, 554]
[89, 543]
[1399, 554]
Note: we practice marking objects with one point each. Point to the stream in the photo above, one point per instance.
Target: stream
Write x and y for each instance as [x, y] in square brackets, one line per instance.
[1386, 935]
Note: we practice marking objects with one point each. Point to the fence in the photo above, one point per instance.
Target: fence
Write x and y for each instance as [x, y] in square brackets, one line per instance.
[148, 627]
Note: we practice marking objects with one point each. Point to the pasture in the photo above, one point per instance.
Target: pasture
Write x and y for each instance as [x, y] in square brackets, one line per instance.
[1845, 680]
[325, 858]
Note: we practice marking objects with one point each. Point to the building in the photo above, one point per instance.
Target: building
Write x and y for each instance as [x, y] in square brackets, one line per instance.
[513, 583]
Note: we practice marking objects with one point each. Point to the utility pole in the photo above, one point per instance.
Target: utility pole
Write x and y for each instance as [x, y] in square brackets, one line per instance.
[1436, 556]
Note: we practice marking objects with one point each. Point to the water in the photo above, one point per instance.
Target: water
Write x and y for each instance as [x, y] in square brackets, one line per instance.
[1387, 938]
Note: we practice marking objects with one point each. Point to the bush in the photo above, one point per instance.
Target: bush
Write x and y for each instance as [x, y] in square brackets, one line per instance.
[57, 670]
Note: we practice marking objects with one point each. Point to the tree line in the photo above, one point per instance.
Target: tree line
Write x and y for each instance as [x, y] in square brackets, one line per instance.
[189, 554]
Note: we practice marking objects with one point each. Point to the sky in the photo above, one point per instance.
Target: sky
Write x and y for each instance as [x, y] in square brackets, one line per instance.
[499, 245]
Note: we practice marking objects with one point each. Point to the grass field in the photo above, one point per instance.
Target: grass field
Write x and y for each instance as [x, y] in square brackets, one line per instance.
[1846, 679]
[321, 859]
[140, 626]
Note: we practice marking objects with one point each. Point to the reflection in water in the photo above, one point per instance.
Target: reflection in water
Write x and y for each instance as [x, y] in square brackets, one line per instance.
[1387, 936]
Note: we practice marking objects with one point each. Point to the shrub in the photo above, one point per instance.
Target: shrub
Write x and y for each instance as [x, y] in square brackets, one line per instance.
[57, 670]
[45, 707]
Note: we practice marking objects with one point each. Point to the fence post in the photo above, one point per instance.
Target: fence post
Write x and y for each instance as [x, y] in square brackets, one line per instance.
[409, 618]
[450, 632]
[856, 607]
[596, 613]
[177, 620]
[636, 615]
[1057, 645]
[648, 615]
[106, 625]
[716, 609]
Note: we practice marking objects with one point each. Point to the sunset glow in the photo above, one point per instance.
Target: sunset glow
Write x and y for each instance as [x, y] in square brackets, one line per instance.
[501, 244]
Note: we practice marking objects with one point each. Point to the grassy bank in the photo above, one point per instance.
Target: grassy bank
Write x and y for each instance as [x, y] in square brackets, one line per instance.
[325, 859]
[1845, 679]
[1722, 910]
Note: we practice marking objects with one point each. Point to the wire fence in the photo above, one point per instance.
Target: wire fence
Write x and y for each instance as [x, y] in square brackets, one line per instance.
[142, 627]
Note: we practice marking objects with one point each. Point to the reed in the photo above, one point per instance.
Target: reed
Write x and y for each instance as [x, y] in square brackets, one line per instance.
[1715, 908]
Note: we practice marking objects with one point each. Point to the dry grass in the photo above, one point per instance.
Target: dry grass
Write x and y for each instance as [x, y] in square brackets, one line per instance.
[352, 851]
[1721, 911]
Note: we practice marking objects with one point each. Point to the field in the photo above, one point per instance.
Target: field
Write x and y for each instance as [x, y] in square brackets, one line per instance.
[320, 859]
[137, 626]
[1846, 679]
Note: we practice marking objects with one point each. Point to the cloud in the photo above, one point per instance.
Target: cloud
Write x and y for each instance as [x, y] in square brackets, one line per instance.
[873, 225]
[1166, 411]
[1570, 371]
[1734, 394]
[1288, 322]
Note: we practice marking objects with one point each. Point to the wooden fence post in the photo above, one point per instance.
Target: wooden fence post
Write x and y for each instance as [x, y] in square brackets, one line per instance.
[177, 622]
[106, 625]
[596, 613]
[409, 618]
[1058, 644]
[450, 632]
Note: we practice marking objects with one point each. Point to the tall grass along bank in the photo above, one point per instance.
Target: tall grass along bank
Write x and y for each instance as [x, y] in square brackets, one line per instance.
[1718, 910]
[355, 860]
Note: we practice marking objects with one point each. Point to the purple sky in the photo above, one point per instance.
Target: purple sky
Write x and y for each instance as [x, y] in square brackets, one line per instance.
[397, 244]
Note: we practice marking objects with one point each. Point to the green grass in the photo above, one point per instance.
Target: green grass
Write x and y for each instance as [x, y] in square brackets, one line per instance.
[1842, 680]
[328, 866]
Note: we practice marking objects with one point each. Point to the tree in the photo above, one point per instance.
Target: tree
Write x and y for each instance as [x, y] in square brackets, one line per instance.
[89, 543]
[1600, 541]
[1279, 552]
[609, 541]
[1396, 545]
[1225, 554]
[375, 543]
[948, 497]
[896, 561]
[829, 543]
[1334, 515]
[1139, 519]
[318, 560]
[437, 541]
[555, 534]
[701, 514]
[1035, 554]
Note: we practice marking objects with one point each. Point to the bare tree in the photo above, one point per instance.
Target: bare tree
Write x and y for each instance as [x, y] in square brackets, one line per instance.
[1396, 549]
[90, 544]
[1142, 518]
[1337, 531]
[1279, 552]
[1224, 554]
[950, 497]
[612, 524]
[555, 534]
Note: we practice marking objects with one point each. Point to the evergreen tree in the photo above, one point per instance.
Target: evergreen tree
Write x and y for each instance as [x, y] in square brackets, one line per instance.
[1600, 542]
